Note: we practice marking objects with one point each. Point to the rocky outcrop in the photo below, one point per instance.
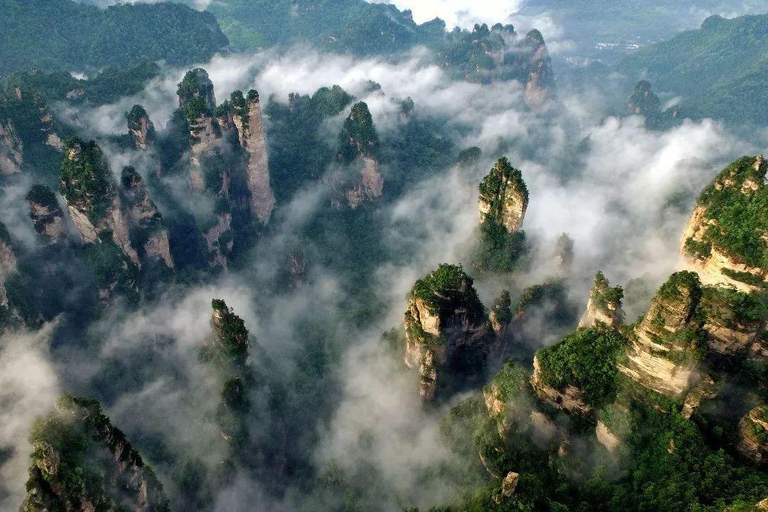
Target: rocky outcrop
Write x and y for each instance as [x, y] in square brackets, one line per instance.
[663, 352]
[46, 214]
[140, 128]
[564, 254]
[118, 478]
[753, 435]
[89, 188]
[357, 176]
[444, 317]
[606, 437]
[198, 102]
[643, 101]
[504, 197]
[146, 220]
[247, 119]
[11, 149]
[604, 305]
[734, 322]
[540, 76]
[219, 241]
[7, 262]
[726, 239]
[501, 314]
[569, 398]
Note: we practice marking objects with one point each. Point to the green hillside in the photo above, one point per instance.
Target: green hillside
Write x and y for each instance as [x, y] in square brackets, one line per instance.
[66, 35]
[719, 70]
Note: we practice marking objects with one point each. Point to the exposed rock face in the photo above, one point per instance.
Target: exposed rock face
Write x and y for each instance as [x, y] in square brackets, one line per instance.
[120, 479]
[358, 176]
[734, 322]
[145, 218]
[509, 485]
[7, 263]
[92, 201]
[606, 437]
[46, 214]
[444, 316]
[726, 239]
[11, 149]
[570, 398]
[663, 346]
[540, 79]
[247, 120]
[140, 128]
[198, 102]
[753, 435]
[501, 314]
[604, 304]
[219, 240]
[504, 197]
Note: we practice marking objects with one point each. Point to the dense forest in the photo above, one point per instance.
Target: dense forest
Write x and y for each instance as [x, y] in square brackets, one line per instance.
[350, 262]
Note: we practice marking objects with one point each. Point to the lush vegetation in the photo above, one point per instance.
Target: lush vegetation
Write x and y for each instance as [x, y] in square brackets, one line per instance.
[587, 359]
[358, 136]
[79, 457]
[109, 85]
[499, 249]
[229, 346]
[447, 290]
[741, 216]
[603, 295]
[719, 70]
[341, 25]
[86, 180]
[67, 35]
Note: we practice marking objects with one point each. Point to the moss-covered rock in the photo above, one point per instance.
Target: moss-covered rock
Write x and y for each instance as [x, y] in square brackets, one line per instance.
[726, 239]
[604, 306]
[444, 316]
[82, 462]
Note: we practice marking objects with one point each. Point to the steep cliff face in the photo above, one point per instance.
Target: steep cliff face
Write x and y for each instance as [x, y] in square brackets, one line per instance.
[46, 214]
[219, 241]
[498, 53]
[227, 350]
[198, 102]
[504, 197]
[726, 239]
[578, 374]
[501, 314]
[7, 262]
[604, 304]
[11, 149]
[145, 219]
[247, 119]
[358, 176]
[734, 322]
[753, 435]
[667, 341]
[92, 200]
[140, 128]
[82, 462]
[444, 318]
[540, 76]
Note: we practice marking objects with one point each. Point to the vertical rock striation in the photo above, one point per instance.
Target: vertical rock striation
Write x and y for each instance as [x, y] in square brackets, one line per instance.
[504, 197]
[247, 119]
